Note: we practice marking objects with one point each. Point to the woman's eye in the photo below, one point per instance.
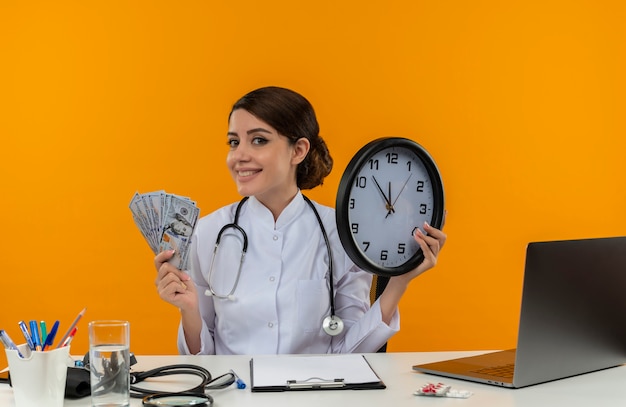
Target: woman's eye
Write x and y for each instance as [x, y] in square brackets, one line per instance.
[259, 140]
[232, 143]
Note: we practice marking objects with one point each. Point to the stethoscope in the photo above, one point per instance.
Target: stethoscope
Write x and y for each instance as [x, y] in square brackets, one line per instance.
[332, 325]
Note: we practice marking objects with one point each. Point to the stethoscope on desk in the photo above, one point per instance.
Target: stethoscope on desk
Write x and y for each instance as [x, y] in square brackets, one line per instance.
[109, 378]
[195, 396]
[332, 324]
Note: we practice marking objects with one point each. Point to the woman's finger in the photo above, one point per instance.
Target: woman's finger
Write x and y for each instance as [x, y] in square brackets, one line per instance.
[434, 233]
[163, 257]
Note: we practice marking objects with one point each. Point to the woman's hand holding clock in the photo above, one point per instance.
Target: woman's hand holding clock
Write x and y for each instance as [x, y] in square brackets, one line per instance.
[407, 240]
[388, 245]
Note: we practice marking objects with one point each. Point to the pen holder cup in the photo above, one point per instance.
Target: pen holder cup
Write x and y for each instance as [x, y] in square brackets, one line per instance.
[38, 378]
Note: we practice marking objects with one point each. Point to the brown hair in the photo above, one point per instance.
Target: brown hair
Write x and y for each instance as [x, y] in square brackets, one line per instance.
[292, 116]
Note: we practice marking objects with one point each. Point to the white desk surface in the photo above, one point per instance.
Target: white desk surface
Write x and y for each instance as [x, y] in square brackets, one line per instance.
[603, 388]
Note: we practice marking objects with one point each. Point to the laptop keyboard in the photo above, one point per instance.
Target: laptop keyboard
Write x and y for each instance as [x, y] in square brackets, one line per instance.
[498, 371]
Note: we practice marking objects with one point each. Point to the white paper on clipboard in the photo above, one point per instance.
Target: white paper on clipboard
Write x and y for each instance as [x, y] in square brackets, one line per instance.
[278, 370]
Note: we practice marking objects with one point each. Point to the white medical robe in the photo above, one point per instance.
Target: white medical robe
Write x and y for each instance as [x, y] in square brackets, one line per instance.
[282, 295]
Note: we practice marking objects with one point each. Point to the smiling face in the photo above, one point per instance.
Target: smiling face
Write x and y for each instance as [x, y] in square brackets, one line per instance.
[263, 162]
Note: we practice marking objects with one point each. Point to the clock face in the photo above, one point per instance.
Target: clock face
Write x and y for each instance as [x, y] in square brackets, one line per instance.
[390, 188]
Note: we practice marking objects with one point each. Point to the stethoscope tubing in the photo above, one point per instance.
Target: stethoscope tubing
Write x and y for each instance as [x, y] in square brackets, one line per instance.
[332, 324]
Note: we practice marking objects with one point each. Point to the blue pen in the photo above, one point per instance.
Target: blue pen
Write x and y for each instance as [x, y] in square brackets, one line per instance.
[240, 383]
[8, 343]
[51, 335]
[34, 333]
[29, 340]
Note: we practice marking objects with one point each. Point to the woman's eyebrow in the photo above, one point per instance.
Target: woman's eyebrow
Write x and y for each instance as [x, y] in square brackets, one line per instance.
[258, 130]
[251, 131]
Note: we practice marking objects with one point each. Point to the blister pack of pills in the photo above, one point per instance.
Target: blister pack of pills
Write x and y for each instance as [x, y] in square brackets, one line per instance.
[441, 390]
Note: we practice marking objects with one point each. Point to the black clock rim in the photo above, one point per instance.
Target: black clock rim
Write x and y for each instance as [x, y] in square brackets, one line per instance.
[341, 204]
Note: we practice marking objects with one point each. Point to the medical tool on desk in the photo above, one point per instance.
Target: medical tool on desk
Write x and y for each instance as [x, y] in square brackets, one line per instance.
[240, 383]
[171, 400]
[189, 396]
[332, 324]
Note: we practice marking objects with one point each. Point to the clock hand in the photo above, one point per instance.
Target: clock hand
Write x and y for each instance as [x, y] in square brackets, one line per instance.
[387, 200]
[402, 189]
[389, 204]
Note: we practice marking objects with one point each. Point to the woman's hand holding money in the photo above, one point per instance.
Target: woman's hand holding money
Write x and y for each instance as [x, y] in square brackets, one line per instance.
[174, 285]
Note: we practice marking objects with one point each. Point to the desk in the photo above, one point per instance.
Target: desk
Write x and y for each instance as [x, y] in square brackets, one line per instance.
[603, 388]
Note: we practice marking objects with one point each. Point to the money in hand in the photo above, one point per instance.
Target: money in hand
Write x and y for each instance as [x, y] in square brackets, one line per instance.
[167, 222]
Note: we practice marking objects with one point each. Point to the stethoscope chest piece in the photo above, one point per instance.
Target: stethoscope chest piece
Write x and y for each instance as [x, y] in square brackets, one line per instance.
[333, 325]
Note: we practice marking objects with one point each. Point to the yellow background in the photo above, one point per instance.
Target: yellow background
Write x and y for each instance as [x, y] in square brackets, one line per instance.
[521, 103]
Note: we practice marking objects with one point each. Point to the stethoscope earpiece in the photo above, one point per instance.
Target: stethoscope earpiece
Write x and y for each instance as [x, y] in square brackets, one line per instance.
[229, 297]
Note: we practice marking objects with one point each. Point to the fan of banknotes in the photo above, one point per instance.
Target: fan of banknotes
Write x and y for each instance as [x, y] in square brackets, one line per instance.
[167, 222]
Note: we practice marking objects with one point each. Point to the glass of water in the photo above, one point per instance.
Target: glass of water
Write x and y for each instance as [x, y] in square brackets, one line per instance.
[109, 363]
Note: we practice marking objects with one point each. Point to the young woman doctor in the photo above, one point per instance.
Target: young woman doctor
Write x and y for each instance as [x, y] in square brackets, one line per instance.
[275, 299]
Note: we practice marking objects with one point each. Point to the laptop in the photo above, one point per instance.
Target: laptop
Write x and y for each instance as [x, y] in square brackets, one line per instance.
[571, 319]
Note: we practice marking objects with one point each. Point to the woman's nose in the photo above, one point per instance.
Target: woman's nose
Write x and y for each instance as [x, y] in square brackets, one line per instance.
[240, 153]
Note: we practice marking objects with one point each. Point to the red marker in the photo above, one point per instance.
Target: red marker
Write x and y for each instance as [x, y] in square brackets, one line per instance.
[69, 338]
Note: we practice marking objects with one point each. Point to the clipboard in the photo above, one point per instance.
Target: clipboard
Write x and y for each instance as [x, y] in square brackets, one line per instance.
[303, 372]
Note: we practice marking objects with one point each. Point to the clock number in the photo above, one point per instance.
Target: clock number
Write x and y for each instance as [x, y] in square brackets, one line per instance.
[401, 248]
[360, 182]
[392, 158]
[383, 255]
[420, 186]
[422, 209]
[367, 246]
[373, 164]
[408, 164]
[352, 205]
[355, 228]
